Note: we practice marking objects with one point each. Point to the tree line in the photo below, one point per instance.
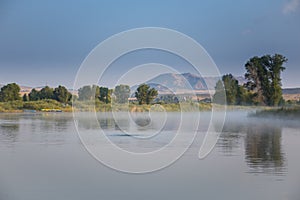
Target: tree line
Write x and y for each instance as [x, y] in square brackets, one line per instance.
[120, 94]
[263, 86]
[11, 92]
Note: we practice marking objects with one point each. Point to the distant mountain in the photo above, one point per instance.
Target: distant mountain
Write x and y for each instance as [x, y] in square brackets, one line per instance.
[183, 83]
[291, 91]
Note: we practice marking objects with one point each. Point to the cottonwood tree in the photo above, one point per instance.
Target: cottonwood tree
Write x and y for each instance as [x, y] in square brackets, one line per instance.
[46, 93]
[10, 92]
[62, 94]
[34, 95]
[85, 93]
[122, 93]
[264, 78]
[145, 94]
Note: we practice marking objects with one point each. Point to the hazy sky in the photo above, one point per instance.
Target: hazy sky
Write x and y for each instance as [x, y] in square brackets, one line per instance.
[46, 41]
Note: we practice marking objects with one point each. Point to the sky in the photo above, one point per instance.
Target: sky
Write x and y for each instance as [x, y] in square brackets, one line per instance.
[45, 42]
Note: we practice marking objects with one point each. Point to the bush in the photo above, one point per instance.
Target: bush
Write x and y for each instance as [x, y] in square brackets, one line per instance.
[11, 106]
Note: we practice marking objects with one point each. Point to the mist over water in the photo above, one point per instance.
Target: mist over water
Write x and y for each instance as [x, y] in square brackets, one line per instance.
[43, 158]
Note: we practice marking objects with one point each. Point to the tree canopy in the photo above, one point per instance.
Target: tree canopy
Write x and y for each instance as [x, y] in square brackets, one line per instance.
[34, 95]
[95, 92]
[264, 78]
[263, 87]
[219, 96]
[46, 93]
[231, 88]
[10, 92]
[85, 93]
[61, 94]
[145, 94]
[105, 94]
[122, 93]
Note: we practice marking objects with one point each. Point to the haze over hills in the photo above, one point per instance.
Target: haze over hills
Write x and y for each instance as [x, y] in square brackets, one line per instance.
[291, 94]
[183, 83]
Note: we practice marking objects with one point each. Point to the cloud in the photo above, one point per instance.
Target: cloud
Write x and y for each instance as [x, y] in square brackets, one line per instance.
[290, 6]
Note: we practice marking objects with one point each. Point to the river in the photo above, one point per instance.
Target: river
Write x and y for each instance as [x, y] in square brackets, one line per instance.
[42, 158]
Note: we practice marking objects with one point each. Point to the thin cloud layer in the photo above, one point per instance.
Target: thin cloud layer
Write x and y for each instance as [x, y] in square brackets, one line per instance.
[291, 6]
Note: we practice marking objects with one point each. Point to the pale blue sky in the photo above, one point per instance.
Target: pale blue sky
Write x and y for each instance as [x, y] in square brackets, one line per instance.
[46, 41]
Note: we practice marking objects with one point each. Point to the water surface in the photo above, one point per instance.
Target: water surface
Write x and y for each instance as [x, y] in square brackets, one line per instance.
[43, 158]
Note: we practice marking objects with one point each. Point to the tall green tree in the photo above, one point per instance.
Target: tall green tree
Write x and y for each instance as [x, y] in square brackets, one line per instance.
[96, 91]
[264, 78]
[244, 96]
[10, 92]
[258, 80]
[122, 93]
[145, 94]
[34, 95]
[151, 95]
[220, 95]
[46, 93]
[141, 93]
[85, 93]
[231, 88]
[275, 67]
[25, 97]
[105, 95]
[62, 94]
[229, 91]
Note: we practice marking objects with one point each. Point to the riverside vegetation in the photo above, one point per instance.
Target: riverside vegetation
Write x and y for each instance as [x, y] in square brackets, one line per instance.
[92, 98]
[263, 88]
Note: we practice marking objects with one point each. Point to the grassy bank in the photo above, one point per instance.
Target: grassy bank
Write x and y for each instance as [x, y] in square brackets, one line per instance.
[20, 106]
[86, 106]
[172, 107]
[283, 112]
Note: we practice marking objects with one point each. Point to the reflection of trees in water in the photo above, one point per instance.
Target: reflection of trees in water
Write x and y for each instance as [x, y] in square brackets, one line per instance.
[230, 139]
[9, 128]
[9, 131]
[53, 122]
[48, 128]
[88, 123]
[104, 123]
[228, 142]
[263, 149]
[121, 124]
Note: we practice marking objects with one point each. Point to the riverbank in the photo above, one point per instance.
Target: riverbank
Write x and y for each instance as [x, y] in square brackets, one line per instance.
[290, 112]
[86, 106]
[21, 106]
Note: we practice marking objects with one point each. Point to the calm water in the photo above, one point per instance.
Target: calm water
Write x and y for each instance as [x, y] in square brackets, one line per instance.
[42, 158]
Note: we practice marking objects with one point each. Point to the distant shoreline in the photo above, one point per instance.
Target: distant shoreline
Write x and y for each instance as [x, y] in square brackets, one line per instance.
[51, 106]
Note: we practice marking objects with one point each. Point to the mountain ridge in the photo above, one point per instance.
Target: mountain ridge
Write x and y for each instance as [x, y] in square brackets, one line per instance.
[183, 83]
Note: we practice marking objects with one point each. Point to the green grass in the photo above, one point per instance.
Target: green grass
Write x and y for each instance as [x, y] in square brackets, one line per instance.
[86, 106]
[90, 106]
[101, 107]
[19, 106]
[12, 106]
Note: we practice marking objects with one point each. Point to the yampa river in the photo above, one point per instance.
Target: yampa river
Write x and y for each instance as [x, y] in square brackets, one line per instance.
[42, 158]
